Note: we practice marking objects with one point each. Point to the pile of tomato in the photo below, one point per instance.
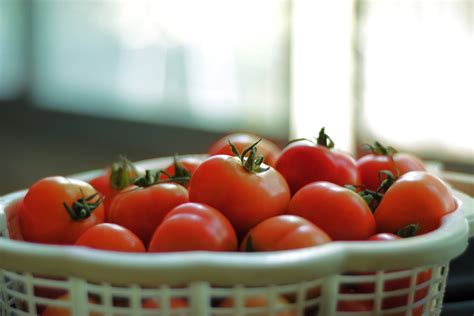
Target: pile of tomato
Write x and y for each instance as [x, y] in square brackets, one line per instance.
[248, 195]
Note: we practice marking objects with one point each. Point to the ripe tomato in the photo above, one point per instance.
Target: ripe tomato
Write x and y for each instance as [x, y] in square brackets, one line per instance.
[383, 237]
[57, 210]
[111, 237]
[120, 175]
[282, 233]
[417, 197]
[181, 170]
[244, 191]
[151, 303]
[396, 284]
[340, 212]
[194, 226]
[65, 311]
[142, 209]
[354, 306]
[385, 158]
[241, 141]
[261, 301]
[304, 161]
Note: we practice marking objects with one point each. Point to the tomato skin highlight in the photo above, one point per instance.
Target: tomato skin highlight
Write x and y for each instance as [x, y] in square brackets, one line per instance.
[284, 232]
[44, 218]
[417, 197]
[340, 212]
[113, 237]
[303, 162]
[245, 198]
[142, 209]
[194, 226]
[241, 141]
[370, 165]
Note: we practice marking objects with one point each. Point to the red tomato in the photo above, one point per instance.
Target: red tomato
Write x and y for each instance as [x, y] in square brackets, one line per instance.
[57, 210]
[142, 209]
[354, 306]
[304, 161]
[383, 237]
[416, 197]
[111, 237]
[174, 303]
[347, 172]
[340, 212]
[382, 158]
[182, 169]
[120, 175]
[194, 226]
[282, 233]
[396, 284]
[269, 150]
[245, 195]
[261, 301]
[65, 311]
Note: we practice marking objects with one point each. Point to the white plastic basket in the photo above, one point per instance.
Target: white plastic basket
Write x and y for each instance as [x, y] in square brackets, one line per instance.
[313, 281]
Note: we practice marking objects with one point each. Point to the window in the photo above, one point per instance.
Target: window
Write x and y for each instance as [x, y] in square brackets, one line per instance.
[209, 64]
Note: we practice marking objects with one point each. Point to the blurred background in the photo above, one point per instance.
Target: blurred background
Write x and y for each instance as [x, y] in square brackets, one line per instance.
[84, 81]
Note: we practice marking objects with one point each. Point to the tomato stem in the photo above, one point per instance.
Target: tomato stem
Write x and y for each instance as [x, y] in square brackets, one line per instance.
[82, 208]
[249, 245]
[379, 149]
[324, 139]
[120, 173]
[254, 161]
[408, 230]
[150, 179]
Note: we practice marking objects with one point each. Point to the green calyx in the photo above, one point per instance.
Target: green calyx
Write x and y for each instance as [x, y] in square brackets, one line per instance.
[249, 245]
[379, 149]
[253, 162]
[150, 179]
[323, 139]
[120, 173]
[373, 198]
[408, 230]
[83, 207]
[181, 174]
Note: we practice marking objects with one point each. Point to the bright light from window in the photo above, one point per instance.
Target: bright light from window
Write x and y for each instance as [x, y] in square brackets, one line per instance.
[418, 76]
[321, 71]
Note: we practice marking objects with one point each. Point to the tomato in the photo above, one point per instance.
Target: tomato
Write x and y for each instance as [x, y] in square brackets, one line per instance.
[241, 141]
[417, 197]
[65, 311]
[243, 190]
[385, 158]
[383, 237]
[282, 233]
[261, 301]
[354, 306]
[304, 161]
[194, 226]
[142, 208]
[120, 175]
[174, 303]
[396, 284]
[340, 212]
[181, 170]
[57, 210]
[111, 237]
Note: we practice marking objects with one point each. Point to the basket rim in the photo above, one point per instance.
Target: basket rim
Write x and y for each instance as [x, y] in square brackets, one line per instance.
[252, 269]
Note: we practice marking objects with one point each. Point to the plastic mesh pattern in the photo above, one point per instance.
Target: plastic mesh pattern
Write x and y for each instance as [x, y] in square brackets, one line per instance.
[416, 291]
